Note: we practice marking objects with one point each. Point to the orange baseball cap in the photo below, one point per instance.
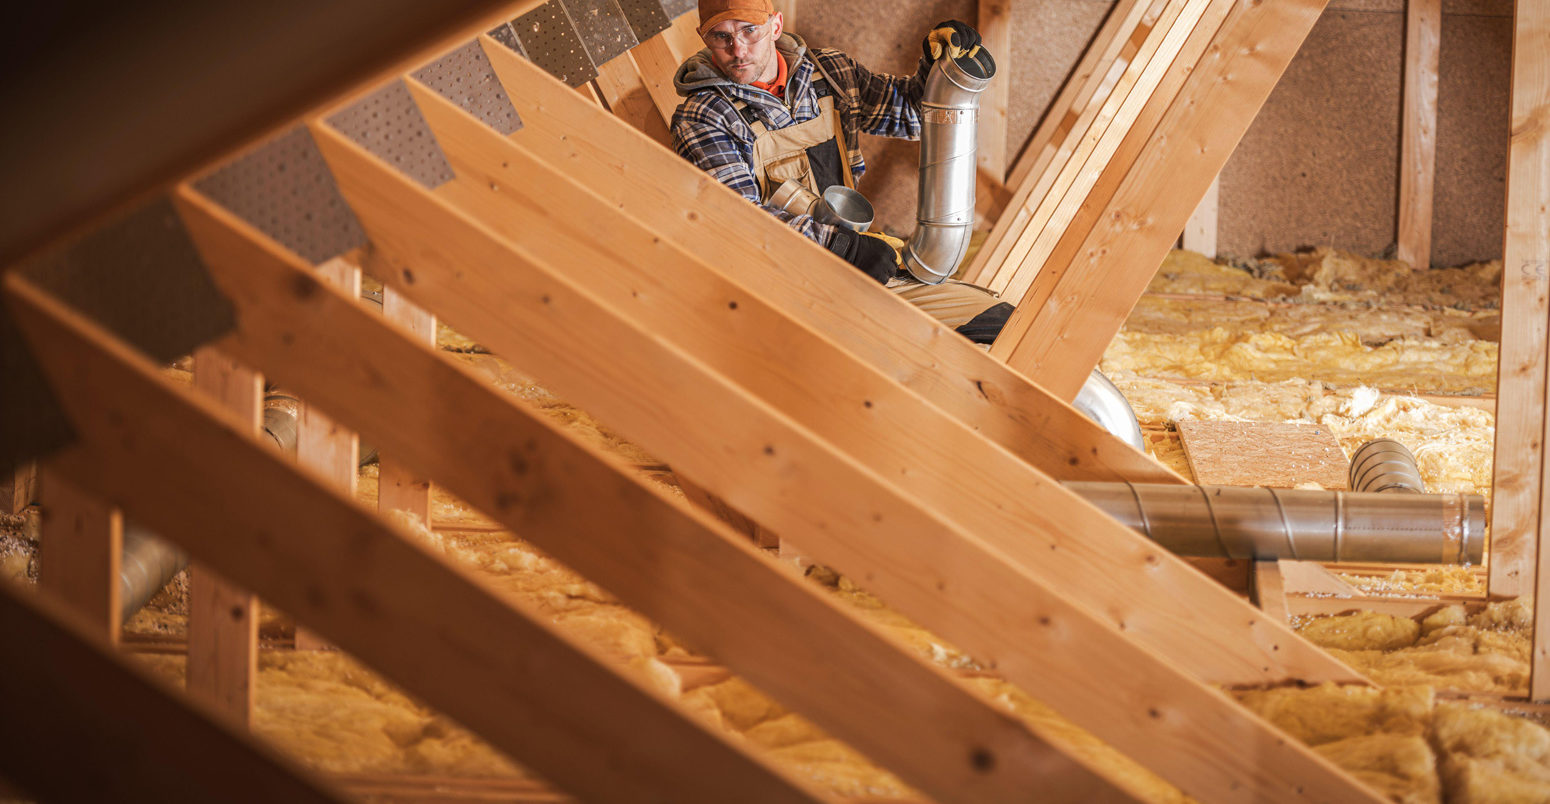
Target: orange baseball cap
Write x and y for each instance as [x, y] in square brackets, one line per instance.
[713, 12]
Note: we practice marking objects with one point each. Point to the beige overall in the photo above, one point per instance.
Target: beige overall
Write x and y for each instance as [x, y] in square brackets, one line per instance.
[781, 154]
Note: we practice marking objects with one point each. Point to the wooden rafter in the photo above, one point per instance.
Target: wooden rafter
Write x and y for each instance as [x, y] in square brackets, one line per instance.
[552, 703]
[613, 344]
[1418, 133]
[83, 539]
[398, 487]
[1105, 257]
[590, 513]
[995, 27]
[73, 710]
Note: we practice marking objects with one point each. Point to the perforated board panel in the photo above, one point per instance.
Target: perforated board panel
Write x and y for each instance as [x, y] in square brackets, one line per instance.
[139, 276]
[678, 8]
[550, 40]
[390, 126]
[466, 78]
[604, 30]
[646, 17]
[505, 35]
[285, 190]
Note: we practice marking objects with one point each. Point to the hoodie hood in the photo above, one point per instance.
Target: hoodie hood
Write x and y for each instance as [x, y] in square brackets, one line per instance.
[698, 72]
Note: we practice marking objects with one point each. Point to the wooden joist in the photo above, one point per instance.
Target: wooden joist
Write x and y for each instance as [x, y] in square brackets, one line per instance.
[1200, 231]
[621, 85]
[1418, 131]
[484, 661]
[1110, 251]
[223, 617]
[608, 344]
[79, 721]
[807, 282]
[1064, 125]
[995, 27]
[398, 487]
[18, 488]
[587, 511]
[837, 397]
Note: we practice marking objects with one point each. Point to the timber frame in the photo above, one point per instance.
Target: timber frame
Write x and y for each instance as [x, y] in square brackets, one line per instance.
[891, 450]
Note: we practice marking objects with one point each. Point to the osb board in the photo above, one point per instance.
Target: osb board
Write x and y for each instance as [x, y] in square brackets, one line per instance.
[1320, 164]
[1263, 454]
[1473, 93]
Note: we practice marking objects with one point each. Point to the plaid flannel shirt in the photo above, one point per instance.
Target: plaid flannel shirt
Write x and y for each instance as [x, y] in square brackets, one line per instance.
[709, 132]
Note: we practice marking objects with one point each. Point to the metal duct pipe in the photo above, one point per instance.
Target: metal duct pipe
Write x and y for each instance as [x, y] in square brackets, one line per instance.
[1102, 401]
[1384, 464]
[1261, 523]
[944, 216]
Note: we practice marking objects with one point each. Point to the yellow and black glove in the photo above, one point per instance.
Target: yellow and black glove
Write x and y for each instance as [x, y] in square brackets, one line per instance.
[874, 254]
[951, 38]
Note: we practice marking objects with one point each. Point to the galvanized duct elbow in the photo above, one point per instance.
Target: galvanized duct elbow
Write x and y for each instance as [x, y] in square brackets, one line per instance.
[1261, 523]
[1102, 401]
[944, 217]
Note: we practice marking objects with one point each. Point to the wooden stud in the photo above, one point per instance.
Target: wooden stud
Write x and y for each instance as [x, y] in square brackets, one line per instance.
[587, 510]
[330, 450]
[399, 488]
[1270, 589]
[1520, 486]
[838, 397]
[683, 39]
[223, 618]
[788, 11]
[1105, 258]
[485, 661]
[1418, 135]
[808, 283]
[656, 63]
[19, 488]
[611, 354]
[74, 711]
[83, 541]
[995, 27]
[1200, 231]
[621, 86]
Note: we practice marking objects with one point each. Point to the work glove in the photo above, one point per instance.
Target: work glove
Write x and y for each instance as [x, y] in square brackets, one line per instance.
[952, 38]
[868, 252]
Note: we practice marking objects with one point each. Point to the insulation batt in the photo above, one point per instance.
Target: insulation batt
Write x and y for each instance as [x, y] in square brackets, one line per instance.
[1333, 349]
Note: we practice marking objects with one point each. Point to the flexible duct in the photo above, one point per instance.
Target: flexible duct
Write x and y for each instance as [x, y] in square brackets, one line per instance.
[1384, 464]
[1102, 401]
[1261, 523]
[944, 217]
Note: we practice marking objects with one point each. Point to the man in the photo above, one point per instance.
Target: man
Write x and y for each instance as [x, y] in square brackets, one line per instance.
[761, 109]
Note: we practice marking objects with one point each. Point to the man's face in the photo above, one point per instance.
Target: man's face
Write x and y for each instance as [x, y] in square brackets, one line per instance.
[743, 62]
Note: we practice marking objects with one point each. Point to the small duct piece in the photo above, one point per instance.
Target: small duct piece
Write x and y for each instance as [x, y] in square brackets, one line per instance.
[1102, 401]
[148, 564]
[944, 217]
[1263, 523]
[1384, 464]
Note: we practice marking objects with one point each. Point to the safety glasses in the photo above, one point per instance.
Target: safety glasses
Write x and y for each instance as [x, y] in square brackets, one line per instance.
[747, 35]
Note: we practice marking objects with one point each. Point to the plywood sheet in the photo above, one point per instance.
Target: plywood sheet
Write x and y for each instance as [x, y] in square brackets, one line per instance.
[1260, 454]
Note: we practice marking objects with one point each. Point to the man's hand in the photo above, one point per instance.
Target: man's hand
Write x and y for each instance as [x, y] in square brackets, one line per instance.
[870, 253]
[951, 38]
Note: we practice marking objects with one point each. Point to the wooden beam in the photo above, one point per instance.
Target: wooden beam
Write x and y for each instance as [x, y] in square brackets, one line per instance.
[1139, 99]
[1418, 134]
[222, 617]
[609, 347]
[1112, 248]
[485, 661]
[788, 11]
[995, 27]
[842, 399]
[1520, 485]
[19, 488]
[656, 63]
[234, 92]
[78, 720]
[1064, 125]
[683, 39]
[83, 541]
[620, 83]
[589, 512]
[810, 284]
[398, 487]
[1200, 230]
